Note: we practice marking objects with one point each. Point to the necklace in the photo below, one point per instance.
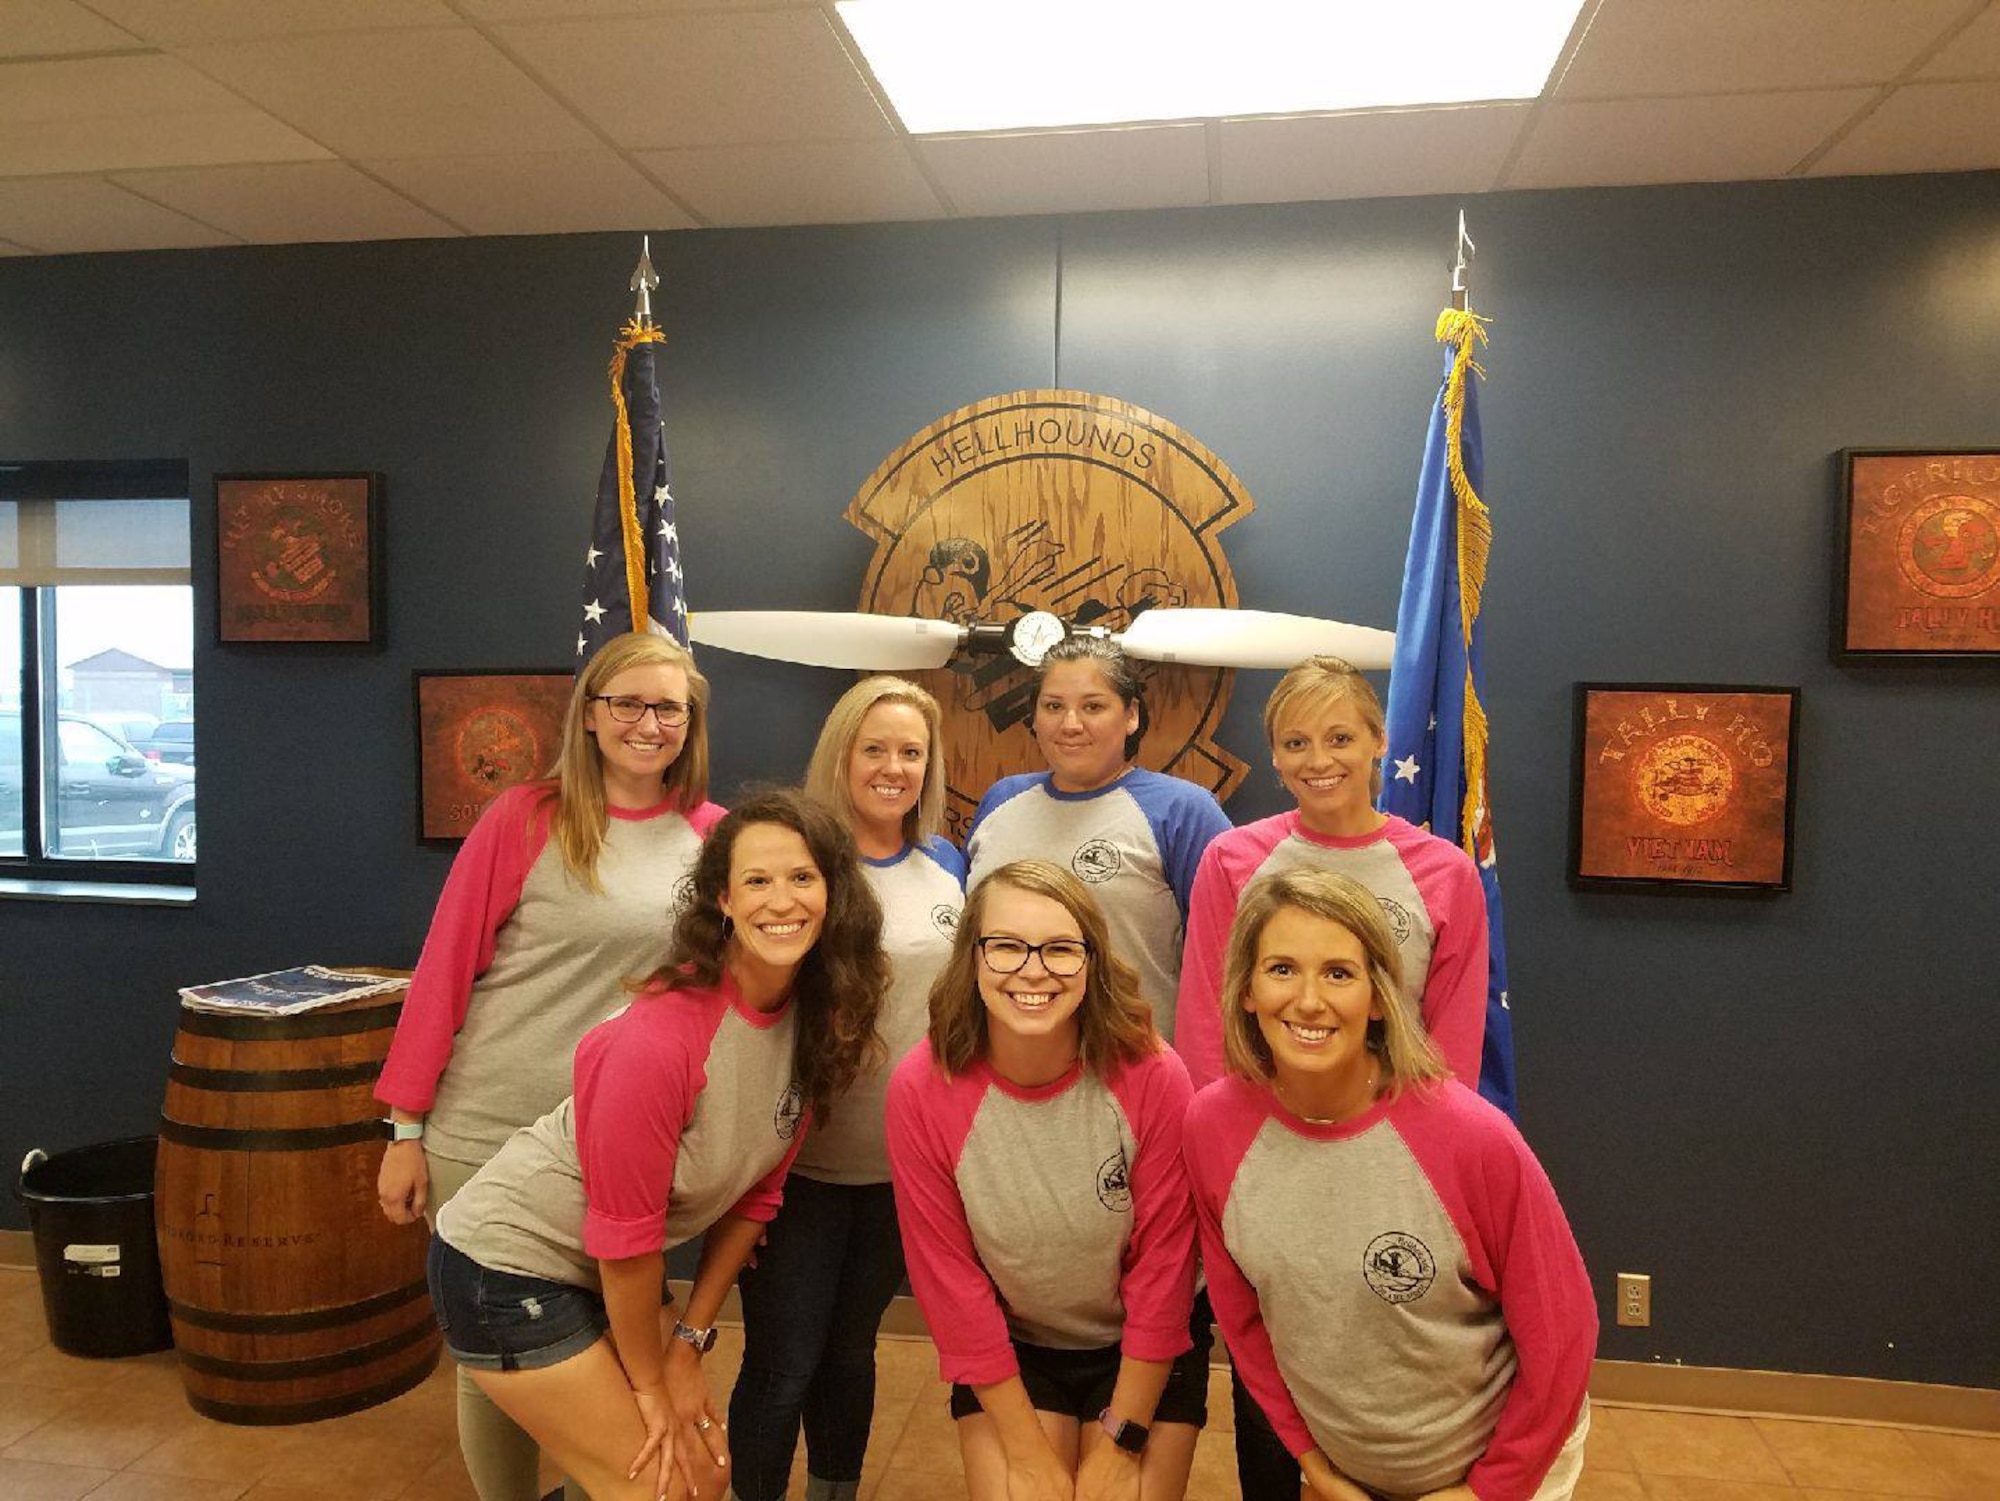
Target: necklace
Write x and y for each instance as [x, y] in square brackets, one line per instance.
[1374, 1088]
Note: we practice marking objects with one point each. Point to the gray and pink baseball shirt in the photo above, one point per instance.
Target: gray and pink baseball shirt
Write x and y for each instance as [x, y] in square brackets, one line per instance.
[1428, 888]
[1400, 1291]
[686, 1109]
[1135, 843]
[921, 892]
[522, 959]
[1057, 1216]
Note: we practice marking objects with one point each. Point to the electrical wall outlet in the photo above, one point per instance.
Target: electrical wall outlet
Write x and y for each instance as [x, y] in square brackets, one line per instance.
[1635, 1300]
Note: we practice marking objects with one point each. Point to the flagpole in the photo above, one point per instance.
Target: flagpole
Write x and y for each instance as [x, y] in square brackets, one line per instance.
[645, 278]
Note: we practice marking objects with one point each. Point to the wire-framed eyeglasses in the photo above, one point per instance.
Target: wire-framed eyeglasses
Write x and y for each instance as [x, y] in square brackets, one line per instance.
[628, 708]
[1061, 957]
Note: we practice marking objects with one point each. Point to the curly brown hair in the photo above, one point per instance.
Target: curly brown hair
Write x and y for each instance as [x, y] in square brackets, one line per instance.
[839, 986]
[1115, 1022]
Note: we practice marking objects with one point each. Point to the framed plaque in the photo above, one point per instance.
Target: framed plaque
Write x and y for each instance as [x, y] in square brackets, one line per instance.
[479, 733]
[298, 560]
[1917, 563]
[1685, 786]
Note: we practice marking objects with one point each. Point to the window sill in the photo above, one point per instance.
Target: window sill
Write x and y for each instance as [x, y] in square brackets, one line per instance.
[128, 893]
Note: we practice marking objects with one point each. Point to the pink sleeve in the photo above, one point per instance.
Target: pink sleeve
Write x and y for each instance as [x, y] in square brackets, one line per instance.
[706, 817]
[929, 1118]
[479, 896]
[1454, 999]
[1157, 1283]
[763, 1199]
[1525, 1256]
[1219, 1132]
[1198, 1007]
[637, 1079]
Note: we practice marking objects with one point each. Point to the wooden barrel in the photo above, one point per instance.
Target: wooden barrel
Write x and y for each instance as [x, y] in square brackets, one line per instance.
[292, 1298]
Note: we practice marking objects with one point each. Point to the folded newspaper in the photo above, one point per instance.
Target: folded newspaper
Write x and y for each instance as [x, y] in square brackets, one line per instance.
[286, 992]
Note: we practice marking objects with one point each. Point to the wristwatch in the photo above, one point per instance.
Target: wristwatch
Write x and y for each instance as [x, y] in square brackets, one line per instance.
[395, 1130]
[1126, 1434]
[703, 1340]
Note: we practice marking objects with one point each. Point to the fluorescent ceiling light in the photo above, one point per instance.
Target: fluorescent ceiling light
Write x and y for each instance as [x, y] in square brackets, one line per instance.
[949, 65]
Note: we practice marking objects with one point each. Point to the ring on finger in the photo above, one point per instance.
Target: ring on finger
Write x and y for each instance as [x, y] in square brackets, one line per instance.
[704, 1424]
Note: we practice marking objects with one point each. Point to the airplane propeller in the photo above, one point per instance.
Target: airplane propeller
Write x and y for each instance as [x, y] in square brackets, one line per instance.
[903, 643]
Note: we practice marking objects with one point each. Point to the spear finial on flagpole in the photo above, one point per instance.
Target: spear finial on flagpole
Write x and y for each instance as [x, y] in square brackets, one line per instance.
[1461, 282]
[644, 279]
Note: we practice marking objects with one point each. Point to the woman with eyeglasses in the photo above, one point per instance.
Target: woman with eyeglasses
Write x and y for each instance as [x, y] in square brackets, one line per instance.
[564, 889]
[831, 1260]
[1035, 1145]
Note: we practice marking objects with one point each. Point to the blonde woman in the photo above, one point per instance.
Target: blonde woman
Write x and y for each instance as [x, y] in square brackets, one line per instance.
[1397, 1284]
[832, 1259]
[565, 889]
[1035, 1143]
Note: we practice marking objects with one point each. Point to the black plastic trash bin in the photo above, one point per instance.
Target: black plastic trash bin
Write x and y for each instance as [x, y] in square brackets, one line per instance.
[91, 1211]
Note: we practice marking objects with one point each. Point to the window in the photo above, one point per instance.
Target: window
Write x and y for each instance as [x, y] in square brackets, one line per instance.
[97, 776]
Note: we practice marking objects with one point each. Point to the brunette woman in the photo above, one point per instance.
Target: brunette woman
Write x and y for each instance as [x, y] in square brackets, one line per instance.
[564, 889]
[832, 1259]
[1397, 1283]
[688, 1109]
[1034, 1140]
[1133, 836]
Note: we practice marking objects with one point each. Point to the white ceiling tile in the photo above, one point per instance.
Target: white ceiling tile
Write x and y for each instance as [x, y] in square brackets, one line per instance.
[61, 215]
[1973, 53]
[826, 183]
[553, 10]
[182, 23]
[711, 78]
[1923, 127]
[1731, 137]
[397, 93]
[1648, 47]
[1054, 172]
[287, 204]
[563, 192]
[1366, 155]
[102, 145]
[47, 28]
[86, 88]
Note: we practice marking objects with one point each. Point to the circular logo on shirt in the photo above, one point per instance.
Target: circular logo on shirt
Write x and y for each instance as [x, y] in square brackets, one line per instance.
[1114, 1183]
[944, 918]
[1398, 1267]
[1401, 924]
[683, 897]
[791, 1106]
[1097, 862]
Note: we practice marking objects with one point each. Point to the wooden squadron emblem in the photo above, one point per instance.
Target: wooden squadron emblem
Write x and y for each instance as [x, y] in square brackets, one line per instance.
[1059, 501]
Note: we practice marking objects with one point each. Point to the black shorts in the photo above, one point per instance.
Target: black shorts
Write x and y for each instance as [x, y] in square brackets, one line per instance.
[1078, 1383]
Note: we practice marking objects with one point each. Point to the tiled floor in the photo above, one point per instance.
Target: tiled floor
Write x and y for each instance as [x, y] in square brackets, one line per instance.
[120, 1431]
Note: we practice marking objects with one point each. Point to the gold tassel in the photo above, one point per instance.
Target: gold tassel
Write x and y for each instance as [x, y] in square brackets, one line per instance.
[630, 337]
[1463, 329]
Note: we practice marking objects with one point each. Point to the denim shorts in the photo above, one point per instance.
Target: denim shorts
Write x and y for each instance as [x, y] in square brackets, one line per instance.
[1078, 1384]
[502, 1321]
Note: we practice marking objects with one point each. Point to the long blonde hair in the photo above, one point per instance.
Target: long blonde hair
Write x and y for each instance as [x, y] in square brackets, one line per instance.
[1314, 686]
[578, 821]
[1115, 1022]
[826, 776]
[1397, 1039]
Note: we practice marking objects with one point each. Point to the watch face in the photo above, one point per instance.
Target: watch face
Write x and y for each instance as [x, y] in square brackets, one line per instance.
[1034, 634]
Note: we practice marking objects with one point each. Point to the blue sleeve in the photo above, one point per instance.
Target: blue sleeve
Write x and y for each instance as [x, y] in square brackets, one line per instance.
[1184, 818]
[947, 857]
[1003, 791]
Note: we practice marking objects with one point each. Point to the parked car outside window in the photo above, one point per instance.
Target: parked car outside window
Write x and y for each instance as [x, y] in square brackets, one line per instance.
[111, 802]
[172, 741]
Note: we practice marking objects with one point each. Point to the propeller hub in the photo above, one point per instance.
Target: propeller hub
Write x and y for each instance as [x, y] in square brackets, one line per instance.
[1033, 634]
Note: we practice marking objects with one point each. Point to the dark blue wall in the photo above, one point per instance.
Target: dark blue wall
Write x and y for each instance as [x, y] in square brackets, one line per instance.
[1781, 1108]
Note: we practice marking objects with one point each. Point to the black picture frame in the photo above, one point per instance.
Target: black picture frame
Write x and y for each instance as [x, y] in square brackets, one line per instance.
[289, 545]
[1916, 556]
[1676, 787]
[477, 731]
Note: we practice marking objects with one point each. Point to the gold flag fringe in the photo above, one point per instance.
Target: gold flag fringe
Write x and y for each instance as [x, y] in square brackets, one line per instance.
[630, 337]
[1463, 330]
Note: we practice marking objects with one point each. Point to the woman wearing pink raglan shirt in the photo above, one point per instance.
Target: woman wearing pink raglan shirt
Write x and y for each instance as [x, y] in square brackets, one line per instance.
[1399, 1288]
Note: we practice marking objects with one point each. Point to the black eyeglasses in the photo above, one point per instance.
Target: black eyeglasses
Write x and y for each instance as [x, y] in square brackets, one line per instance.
[627, 708]
[1061, 957]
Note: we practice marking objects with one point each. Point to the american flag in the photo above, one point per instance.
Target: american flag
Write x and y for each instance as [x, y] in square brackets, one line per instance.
[632, 577]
